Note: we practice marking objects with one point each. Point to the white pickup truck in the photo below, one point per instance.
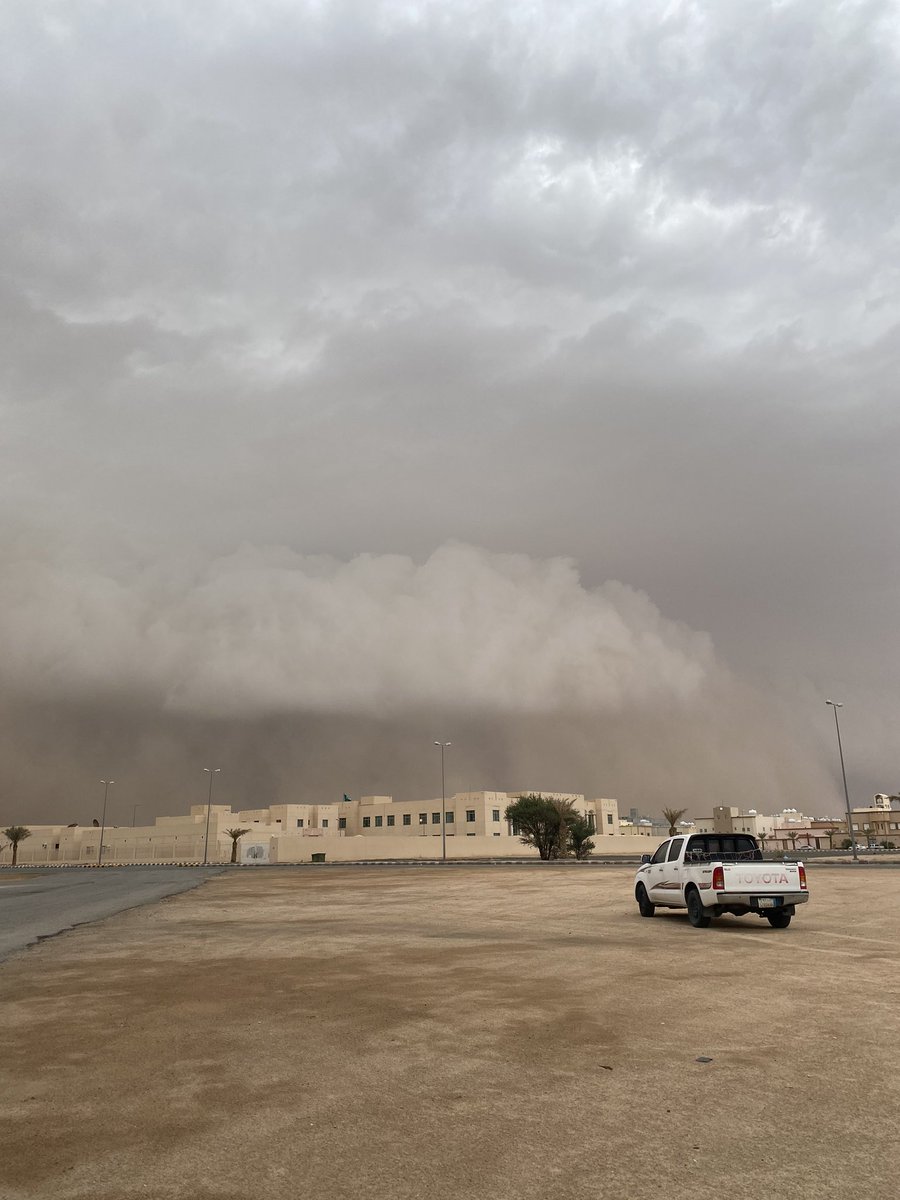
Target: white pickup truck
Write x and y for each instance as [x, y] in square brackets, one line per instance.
[710, 874]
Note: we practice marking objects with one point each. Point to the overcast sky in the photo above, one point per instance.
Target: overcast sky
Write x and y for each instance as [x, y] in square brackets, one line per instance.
[511, 373]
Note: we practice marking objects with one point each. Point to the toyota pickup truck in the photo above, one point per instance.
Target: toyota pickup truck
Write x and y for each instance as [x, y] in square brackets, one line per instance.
[710, 874]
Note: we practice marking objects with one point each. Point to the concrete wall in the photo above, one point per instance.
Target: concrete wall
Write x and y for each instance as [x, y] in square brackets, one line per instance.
[284, 848]
[357, 849]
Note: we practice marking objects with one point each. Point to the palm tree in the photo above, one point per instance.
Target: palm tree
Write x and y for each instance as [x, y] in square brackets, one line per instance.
[235, 835]
[762, 838]
[829, 833]
[16, 834]
[673, 816]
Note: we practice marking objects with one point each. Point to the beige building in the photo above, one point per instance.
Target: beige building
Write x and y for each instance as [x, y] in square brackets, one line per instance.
[727, 819]
[875, 824]
[791, 830]
[372, 827]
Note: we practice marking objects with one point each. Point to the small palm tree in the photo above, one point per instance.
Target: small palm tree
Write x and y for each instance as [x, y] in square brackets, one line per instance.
[235, 835]
[830, 833]
[762, 838]
[673, 816]
[16, 834]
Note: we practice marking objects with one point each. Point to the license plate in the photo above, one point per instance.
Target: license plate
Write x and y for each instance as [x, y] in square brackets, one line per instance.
[768, 902]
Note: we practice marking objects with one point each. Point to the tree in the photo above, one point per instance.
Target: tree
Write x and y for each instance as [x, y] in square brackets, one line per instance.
[235, 835]
[16, 834]
[580, 841]
[762, 838]
[673, 816]
[536, 821]
[553, 826]
[830, 834]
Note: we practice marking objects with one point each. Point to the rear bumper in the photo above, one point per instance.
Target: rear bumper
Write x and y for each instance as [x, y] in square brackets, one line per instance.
[751, 899]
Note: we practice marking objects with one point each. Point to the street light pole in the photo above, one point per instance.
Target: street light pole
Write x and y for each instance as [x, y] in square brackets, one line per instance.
[443, 746]
[837, 725]
[210, 771]
[134, 809]
[106, 786]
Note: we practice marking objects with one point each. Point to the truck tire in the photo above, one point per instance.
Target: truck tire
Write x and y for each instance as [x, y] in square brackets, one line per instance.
[647, 909]
[697, 914]
[779, 920]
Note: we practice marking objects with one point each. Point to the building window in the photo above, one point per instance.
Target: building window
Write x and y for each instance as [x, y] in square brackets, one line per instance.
[609, 819]
[470, 814]
[299, 822]
[390, 819]
[342, 822]
[367, 821]
[495, 814]
[423, 818]
[435, 818]
[379, 821]
[496, 835]
[325, 823]
[407, 818]
[470, 835]
[449, 817]
[278, 820]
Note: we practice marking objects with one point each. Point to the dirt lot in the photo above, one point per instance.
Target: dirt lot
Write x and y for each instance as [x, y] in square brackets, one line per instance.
[501, 1033]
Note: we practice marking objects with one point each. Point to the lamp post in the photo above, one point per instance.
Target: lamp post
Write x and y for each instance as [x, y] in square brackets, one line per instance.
[210, 771]
[107, 783]
[134, 809]
[837, 725]
[443, 746]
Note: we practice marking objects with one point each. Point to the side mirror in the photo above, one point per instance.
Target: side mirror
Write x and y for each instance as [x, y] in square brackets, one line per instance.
[645, 858]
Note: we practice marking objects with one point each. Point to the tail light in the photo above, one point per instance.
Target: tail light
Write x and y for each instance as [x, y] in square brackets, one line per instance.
[802, 870]
[718, 879]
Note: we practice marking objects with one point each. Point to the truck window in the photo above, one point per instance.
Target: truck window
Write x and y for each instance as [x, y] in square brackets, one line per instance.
[729, 847]
[660, 855]
[675, 849]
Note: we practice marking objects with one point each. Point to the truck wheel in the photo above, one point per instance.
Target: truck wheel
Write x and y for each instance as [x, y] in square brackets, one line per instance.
[647, 909]
[779, 920]
[696, 912]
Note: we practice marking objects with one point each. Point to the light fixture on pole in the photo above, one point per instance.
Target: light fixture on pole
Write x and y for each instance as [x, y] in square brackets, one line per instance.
[210, 771]
[443, 746]
[107, 783]
[837, 725]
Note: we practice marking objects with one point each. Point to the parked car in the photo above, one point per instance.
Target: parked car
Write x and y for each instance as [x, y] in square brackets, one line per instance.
[711, 874]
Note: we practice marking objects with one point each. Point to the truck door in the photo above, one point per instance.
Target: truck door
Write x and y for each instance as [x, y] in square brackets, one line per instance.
[670, 880]
[655, 873]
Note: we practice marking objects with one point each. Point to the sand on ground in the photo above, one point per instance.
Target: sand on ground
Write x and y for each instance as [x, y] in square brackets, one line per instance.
[506, 1033]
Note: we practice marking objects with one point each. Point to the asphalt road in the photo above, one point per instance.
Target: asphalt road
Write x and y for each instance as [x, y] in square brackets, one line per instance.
[39, 904]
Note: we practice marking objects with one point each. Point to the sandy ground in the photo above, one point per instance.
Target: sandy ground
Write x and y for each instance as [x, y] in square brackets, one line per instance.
[502, 1033]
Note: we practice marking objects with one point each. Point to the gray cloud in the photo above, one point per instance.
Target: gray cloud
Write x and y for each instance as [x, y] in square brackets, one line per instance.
[610, 282]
